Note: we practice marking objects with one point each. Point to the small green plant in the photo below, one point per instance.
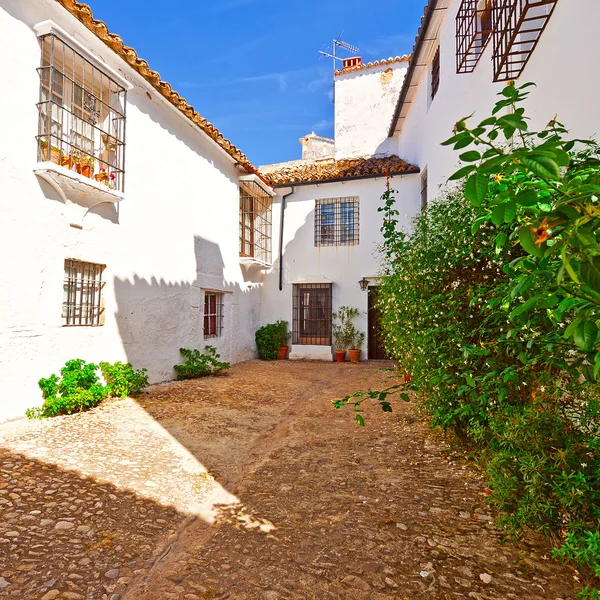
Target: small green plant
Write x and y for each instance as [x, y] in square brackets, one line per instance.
[345, 334]
[78, 389]
[270, 337]
[122, 380]
[198, 364]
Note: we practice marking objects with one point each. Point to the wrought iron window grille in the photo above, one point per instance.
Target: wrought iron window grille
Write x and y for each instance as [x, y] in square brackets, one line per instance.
[83, 302]
[435, 73]
[255, 222]
[213, 315]
[311, 314]
[81, 124]
[424, 190]
[337, 222]
[474, 28]
[518, 25]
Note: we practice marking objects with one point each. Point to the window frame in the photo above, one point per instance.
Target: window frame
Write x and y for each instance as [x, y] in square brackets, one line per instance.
[256, 221]
[312, 314]
[333, 233]
[83, 313]
[212, 321]
[82, 111]
[435, 74]
[424, 199]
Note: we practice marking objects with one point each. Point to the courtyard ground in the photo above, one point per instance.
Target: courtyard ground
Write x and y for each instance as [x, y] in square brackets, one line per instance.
[251, 485]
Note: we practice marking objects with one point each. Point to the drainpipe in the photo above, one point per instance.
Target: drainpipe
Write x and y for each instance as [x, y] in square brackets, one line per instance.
[283, 203]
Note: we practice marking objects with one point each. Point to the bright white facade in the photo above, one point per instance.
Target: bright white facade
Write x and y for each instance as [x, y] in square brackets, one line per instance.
[563, 65]
[173, 237]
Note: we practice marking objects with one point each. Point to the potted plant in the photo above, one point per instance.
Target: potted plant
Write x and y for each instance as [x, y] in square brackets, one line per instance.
[102, 176]
[267, 340]
[345, 334]
[283, 335]
[354, 349]
[87, 165]
[54, 152]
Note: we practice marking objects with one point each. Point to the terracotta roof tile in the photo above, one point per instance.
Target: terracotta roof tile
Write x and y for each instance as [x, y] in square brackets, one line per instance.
[83, 13]
[330, 169]
[378, 63]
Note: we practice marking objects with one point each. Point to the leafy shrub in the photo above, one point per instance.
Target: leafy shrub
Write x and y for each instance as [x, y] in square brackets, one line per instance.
[492, 303]
[199, 364]
[122, 380]
[269, 338]
[79, 388]
[345, 334]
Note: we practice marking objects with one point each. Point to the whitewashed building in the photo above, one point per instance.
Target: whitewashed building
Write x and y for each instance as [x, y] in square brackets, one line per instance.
[130, 227]
[121, 220]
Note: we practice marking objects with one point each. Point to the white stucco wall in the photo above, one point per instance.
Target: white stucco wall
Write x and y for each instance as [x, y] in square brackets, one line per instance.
[174, 234]
[563, 66]
[364, 104]
[343, 265]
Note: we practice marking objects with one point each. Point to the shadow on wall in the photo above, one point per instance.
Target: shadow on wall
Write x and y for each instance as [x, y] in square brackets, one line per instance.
[155, 317]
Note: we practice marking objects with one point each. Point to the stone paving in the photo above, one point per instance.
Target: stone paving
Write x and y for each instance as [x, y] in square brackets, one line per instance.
[252, 486]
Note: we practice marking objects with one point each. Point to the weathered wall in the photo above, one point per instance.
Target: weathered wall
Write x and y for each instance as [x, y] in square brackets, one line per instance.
[364, 104]
[344, 265]
[562, 65]
[315, 147]
[175, 233]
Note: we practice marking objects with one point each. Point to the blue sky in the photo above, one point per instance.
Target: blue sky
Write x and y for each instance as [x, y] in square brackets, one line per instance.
[252, 67]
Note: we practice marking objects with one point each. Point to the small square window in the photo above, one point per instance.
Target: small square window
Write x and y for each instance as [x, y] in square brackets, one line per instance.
[213, 315]
[83, 298]
[336, 222]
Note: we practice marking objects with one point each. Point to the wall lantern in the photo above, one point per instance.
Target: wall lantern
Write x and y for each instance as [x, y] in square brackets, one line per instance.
[364, 284]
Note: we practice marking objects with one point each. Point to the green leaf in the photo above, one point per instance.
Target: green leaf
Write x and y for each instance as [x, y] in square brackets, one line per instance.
[404, 396]
[463, 143]
[590, 273]
[542, 166]
[597, 365]
[386, 407]
[527, 198]
[360, 420]
[567, 264]
[462, 173]
[528, 242]
[470, 381]
[504, 213]
[470, 156]
[585, 335]
[476, 188]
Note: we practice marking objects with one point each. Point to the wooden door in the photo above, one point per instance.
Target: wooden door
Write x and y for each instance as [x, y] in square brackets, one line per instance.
[374, 341]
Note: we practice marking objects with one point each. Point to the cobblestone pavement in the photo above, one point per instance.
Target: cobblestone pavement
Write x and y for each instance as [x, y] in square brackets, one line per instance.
[252, 486]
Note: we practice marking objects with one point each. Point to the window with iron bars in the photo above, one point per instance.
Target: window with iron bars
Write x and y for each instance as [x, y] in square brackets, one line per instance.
[255, 222]
[336, 222]
[518, 25]
[213, 315]
[435, 73]
[83, 298]
[474, 27]
[311, 318]
[81, 115]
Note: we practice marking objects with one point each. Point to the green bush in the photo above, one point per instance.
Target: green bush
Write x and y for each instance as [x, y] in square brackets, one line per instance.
[122, 380]
[199, 364]
[345, 334]
[269, 338]
[77, 389]
[492, 304]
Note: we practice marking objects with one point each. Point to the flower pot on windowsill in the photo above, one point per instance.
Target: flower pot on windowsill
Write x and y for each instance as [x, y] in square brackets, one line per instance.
[101, 177]
[354, 355]
[340, 355]
[282, 353]
[66, 161]
[86, 170]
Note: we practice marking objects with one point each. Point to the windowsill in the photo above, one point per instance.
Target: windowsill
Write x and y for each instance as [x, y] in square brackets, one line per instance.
[76, 187]
[250, 261]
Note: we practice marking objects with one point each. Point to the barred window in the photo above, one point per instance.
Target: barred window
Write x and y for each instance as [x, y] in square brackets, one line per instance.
[83, 302]
[435, 73]
[213, 314]
[255, 222]
[424, 190]
[311, 322]
[81, 115]
[474, 26]
[336, 222]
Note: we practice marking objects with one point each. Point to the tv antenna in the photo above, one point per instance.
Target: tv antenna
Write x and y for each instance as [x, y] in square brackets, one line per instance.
[335, 46]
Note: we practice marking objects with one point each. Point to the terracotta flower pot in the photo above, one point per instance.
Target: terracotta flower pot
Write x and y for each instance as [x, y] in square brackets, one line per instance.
[282, 353]
[354, 355]
[102, 177]
[340, 355]
[86, 170]
[66, 161]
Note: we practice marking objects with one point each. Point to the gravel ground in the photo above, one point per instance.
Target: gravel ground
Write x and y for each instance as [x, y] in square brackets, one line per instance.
[251, 486]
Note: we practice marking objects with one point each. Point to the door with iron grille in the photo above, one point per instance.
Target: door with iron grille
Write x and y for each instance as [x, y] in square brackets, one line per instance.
[311, 323]
[376, 350]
